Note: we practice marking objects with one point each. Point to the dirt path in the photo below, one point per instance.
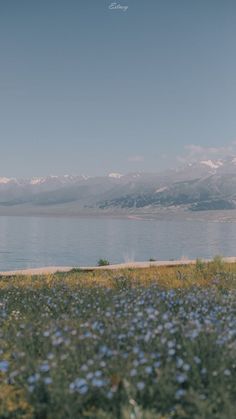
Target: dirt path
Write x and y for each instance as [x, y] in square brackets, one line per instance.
[53, 269]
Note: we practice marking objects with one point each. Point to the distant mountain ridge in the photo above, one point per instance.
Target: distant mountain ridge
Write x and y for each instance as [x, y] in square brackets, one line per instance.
[204, 185]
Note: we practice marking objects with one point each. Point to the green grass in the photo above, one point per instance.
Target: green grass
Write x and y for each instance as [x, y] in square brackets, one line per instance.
[138, 343]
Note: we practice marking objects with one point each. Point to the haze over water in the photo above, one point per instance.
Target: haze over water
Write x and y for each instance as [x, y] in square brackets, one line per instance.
[27, 242]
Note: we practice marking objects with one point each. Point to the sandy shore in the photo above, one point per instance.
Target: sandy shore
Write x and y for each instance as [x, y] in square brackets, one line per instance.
[52, 269]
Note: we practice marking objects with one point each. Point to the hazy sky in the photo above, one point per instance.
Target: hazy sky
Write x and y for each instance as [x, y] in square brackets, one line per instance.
[89, 89]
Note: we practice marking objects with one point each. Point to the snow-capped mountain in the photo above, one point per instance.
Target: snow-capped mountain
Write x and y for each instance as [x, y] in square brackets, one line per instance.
[206, 184]
[7, 180]
[115, 175]
[212, 164]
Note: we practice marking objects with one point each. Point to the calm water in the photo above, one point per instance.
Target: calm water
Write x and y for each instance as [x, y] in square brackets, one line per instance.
[40, 241]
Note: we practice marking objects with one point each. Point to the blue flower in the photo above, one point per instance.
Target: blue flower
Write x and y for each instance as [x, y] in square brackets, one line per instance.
[4, 365]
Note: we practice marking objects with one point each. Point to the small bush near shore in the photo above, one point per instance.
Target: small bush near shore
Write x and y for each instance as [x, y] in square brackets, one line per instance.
[103, 262]
[154, 343]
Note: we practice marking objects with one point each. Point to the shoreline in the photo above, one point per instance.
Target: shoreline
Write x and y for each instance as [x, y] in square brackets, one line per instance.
[47, 270]
[181, 214]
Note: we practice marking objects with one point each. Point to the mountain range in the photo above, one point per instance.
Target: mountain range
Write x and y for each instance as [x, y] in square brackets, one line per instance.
[203, 185]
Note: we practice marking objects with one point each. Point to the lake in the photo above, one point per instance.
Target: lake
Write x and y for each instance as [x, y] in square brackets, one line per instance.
[27, 242]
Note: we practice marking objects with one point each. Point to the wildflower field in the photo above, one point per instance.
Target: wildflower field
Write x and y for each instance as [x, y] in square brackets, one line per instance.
[140, 343]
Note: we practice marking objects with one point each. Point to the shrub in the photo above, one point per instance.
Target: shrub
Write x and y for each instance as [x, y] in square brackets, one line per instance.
[217, 264]
[200, 265]
[103, 262]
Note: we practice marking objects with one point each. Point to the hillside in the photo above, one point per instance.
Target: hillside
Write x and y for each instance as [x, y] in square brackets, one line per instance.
[201, 186]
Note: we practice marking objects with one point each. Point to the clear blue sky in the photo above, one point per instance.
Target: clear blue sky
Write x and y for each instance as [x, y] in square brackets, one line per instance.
[86, 89]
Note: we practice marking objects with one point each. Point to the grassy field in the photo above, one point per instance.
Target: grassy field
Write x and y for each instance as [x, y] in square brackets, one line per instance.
[142, 343]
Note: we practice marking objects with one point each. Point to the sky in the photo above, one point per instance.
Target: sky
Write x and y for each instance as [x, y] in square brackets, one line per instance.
[92, 87]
